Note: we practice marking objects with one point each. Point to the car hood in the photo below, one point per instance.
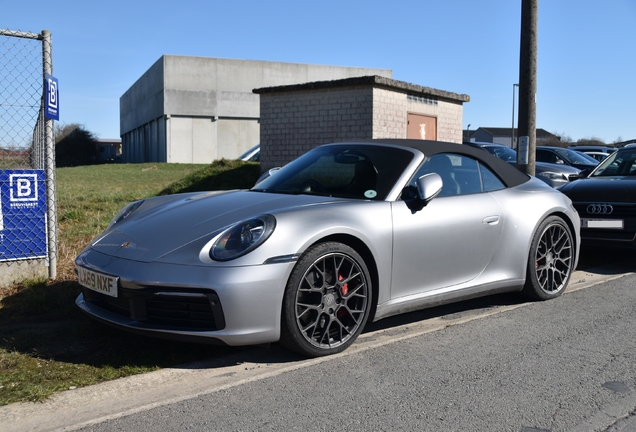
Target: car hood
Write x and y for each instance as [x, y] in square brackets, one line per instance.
[564, 169]
[607, 189]
[557, 168]
[163, 224]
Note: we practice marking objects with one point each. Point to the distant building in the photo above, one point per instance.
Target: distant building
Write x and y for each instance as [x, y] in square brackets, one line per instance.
[504, 136]
[199, 109]
[296, 118]
[108, 150]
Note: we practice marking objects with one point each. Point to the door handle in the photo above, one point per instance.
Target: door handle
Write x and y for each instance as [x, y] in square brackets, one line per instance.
[491, 220]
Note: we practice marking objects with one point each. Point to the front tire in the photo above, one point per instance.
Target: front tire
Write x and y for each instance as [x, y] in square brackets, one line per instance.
[327, 300]
[550, 260]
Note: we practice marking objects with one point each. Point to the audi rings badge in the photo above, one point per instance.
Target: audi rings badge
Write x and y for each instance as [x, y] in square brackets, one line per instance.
[600, 209]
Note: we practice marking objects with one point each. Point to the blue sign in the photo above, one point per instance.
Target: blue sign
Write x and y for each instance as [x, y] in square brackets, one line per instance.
[52, 98]
[22, 214]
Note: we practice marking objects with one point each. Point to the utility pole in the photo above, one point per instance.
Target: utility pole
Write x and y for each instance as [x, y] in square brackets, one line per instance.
[527, 135]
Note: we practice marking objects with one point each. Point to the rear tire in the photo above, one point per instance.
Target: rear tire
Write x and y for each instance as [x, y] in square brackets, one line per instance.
[327, 300]
[550, 260]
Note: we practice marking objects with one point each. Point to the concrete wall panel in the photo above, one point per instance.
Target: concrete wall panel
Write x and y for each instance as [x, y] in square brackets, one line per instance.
[238, 104]
[161, 140]
[143, 102]
[190, 73]
[190, 103]
[204, 143]
[236, 136]
[329, 73]
[288, 73]
[12, 273]
[180, 150]
[239, 75]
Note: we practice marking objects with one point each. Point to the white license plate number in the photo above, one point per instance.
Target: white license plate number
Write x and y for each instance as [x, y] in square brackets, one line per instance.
[99, 282]
[602, 223]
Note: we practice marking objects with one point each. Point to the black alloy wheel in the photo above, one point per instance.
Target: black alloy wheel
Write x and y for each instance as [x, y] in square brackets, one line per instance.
[327, 300]
[550, 261]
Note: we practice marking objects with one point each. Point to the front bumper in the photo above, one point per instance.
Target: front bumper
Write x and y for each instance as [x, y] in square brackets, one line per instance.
[612, 238]
[621, 237]
[229, 305]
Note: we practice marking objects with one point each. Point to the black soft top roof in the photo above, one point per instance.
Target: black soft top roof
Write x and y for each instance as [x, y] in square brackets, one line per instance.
[510, 175]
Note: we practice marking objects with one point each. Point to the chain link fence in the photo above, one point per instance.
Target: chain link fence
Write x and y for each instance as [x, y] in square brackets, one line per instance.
[28, 218]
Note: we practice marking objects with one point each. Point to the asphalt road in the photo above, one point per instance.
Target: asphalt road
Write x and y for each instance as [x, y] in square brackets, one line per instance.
[494, 364]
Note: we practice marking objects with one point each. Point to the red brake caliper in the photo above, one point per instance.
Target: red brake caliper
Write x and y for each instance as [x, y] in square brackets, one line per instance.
[344, 290]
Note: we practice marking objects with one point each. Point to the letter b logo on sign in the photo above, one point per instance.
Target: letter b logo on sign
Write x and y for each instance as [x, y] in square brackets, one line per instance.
[24, 187]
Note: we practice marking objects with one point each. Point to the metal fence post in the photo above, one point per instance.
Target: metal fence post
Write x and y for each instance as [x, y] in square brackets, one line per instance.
[47, 65]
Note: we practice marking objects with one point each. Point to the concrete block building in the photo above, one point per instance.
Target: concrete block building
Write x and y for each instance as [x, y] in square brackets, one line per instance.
[296, 118]
[505, 136]
[198, 109]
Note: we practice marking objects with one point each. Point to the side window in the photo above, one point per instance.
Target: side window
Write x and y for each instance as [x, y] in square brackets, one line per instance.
[546, 156]
[490, 181]
[461, 175]
[611, 169]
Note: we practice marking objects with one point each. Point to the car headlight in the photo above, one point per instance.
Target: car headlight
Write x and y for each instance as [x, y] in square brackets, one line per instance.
[242, 238]
[124, 213]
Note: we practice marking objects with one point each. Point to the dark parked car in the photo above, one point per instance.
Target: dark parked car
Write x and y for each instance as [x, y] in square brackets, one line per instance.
[591, 148]
[599, 156]
[606, 201]
[554, 175]
[597, 152]
[252, 155]
[566, 156]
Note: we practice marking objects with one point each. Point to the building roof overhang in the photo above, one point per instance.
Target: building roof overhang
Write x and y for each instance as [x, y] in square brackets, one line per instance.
[375, 81]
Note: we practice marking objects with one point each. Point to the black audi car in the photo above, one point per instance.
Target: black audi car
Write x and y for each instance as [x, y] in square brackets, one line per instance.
[606, 201]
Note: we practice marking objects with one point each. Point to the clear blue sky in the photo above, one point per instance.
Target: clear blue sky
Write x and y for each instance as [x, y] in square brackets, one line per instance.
[586, 63]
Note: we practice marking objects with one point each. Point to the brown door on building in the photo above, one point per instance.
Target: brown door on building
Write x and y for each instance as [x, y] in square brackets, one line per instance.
[421, 127]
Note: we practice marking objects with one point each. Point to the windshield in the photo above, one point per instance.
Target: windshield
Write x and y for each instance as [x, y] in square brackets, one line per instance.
[621, 163]
[576, 157]
[505, 153]
[341, 170]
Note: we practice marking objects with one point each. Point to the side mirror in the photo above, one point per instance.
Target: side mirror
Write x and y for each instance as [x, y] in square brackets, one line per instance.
[428, 187]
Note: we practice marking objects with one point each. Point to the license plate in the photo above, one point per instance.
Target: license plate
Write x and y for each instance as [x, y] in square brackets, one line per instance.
[99, 282]
[602, 223]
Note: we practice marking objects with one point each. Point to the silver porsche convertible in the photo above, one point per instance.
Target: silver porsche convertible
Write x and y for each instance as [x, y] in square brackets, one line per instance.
[346, 233]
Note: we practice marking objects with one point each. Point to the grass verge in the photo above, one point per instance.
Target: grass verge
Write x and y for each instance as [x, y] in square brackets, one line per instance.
[47, 344]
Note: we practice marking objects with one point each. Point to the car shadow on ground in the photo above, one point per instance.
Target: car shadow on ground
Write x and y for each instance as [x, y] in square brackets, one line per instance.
[449, 311]
[607, 260]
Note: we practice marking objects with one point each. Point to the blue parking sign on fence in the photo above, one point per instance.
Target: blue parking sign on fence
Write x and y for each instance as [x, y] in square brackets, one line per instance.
[22, 214]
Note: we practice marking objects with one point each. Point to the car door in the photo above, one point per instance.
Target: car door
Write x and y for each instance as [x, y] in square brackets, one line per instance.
[453, 238]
